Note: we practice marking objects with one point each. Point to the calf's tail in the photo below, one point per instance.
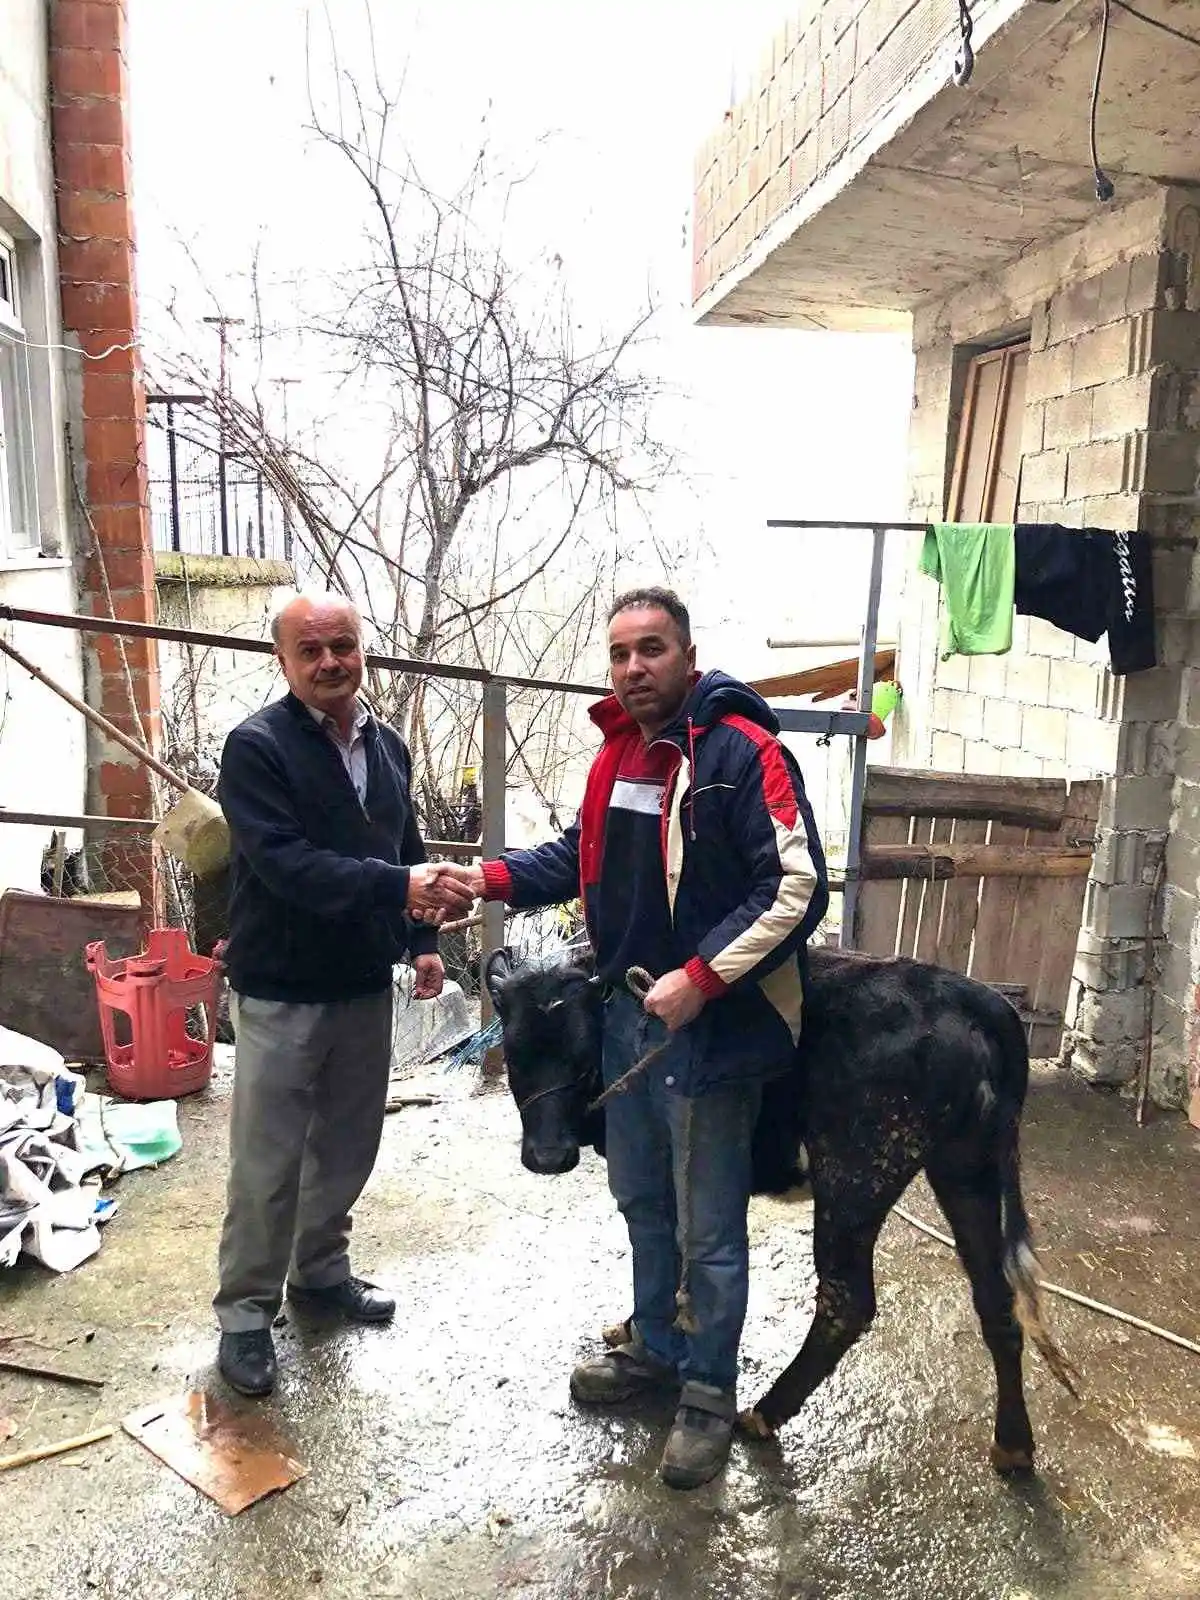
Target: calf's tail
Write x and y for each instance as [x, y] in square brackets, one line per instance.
[1020, 1262]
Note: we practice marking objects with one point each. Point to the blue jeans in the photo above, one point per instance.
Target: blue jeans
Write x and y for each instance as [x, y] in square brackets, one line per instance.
[646, 1145]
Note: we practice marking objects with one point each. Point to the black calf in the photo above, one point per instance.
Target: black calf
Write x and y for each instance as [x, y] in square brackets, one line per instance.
[902, 1068]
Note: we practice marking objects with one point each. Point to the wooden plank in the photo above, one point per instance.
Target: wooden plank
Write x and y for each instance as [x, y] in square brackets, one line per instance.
[920, 832]
[1060, 911]
[997, 905]
[1017, 802]
[960, 905]
[877, 918]
[834, 677]
[941, 859]
[933, 898]
[1029, 934]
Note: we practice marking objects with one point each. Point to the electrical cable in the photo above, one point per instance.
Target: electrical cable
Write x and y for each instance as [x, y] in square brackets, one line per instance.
[1105, 188]
[1157, 22]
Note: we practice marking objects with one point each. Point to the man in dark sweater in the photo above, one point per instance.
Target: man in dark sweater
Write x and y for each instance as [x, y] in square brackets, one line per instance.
[697, 858]
[329, 888]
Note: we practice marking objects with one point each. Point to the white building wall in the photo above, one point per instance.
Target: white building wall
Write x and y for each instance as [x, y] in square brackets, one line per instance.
[42, 749]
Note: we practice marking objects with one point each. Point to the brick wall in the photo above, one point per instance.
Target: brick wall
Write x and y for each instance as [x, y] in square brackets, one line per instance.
[91, 142]
[1111, 439]
[827, 78]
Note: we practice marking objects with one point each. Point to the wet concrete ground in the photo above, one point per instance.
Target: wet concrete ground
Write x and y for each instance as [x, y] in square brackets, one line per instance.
[447, 1461]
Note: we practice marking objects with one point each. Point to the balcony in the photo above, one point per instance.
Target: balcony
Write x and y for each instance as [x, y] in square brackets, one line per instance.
[856, 180]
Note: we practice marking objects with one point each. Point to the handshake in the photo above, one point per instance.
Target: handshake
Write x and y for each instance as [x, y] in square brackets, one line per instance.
[438, 890]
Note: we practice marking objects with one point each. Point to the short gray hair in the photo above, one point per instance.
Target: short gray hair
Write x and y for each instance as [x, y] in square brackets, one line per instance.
[316, 596]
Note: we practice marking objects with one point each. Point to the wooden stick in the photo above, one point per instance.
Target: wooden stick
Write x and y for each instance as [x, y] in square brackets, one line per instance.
[36, 1370]
[60, 863]
[401, 1101]
[94, 717]
[1070, 1294]
[937, 861]
[45, 1451]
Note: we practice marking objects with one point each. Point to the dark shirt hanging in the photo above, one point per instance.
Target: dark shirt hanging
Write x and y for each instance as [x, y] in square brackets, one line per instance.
[1088, 582]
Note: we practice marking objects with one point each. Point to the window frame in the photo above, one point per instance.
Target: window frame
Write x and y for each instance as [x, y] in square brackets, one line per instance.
[20, 530]
[10, 304]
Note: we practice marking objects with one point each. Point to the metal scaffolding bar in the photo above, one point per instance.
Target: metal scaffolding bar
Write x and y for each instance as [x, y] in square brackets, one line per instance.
[227, 641]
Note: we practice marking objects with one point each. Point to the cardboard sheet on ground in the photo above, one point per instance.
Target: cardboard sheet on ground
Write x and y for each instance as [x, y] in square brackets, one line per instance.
[232, 1456]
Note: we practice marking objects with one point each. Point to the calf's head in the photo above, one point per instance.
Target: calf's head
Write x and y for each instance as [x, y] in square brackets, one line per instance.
[551, 1020]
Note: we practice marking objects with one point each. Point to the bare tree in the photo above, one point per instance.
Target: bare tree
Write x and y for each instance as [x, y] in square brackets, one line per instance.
[468, 483]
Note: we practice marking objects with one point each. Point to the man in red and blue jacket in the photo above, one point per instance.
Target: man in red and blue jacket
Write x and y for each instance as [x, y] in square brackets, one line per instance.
[697, 858]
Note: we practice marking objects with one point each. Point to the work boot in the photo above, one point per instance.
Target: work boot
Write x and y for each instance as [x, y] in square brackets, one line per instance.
[698, 1444]
[353, 1298]
[620, 1374]
[247, 1361]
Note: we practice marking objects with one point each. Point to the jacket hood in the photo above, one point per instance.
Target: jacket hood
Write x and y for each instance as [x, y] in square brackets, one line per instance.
[714, 695]
[718, 695]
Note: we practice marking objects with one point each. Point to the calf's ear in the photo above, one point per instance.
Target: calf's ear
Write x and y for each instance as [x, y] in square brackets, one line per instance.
[583, 960]
[497, 971]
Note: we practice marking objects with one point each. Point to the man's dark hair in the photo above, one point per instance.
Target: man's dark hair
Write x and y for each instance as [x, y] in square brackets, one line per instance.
[656, 598]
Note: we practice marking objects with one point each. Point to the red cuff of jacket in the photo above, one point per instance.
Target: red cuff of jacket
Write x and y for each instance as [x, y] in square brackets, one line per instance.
[497, 881]
[705, 979]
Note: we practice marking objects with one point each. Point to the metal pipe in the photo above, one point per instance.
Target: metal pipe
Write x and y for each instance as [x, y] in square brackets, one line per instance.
[173, 475]
[868, 527]
[53, 819]
[224, 641]
[828, 644]
[1181, 543]
[223, 493]
[495, 768]
[858, 771]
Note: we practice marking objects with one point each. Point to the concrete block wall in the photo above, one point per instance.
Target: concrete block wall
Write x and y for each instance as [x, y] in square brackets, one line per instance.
[1111, 438]
[206, 692]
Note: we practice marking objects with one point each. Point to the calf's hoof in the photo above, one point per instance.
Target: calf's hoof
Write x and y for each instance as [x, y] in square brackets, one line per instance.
[754, 1425]
[1012, 1463]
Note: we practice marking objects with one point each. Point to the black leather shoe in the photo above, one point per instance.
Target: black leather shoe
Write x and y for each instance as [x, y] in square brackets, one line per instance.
[247, 1361]
[354, 1298]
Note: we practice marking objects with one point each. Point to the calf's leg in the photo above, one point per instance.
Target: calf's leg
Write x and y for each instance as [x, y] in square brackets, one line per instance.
[845, 1309]
[854, 1188]
[972, 1206]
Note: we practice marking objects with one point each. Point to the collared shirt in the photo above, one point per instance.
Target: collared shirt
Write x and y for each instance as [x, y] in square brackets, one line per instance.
[353, 751]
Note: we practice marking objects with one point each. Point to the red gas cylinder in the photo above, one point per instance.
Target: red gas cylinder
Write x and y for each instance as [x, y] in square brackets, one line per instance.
[155, 992]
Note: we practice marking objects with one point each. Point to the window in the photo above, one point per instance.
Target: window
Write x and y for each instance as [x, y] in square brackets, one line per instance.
[986, 484]
[18, 500]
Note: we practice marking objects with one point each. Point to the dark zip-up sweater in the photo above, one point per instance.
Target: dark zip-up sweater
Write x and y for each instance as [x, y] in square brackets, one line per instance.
[318, 879]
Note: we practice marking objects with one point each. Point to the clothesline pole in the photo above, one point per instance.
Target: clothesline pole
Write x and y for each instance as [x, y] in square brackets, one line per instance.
[866, 684]
[864, 527]
[858, 768]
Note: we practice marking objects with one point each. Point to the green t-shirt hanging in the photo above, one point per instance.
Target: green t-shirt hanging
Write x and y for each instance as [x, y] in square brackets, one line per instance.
[975, 563]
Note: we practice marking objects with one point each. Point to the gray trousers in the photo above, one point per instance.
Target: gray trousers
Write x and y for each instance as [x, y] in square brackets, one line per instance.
[310, 1084]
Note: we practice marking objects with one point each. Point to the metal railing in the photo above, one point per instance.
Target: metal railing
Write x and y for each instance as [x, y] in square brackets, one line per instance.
[205, 499]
